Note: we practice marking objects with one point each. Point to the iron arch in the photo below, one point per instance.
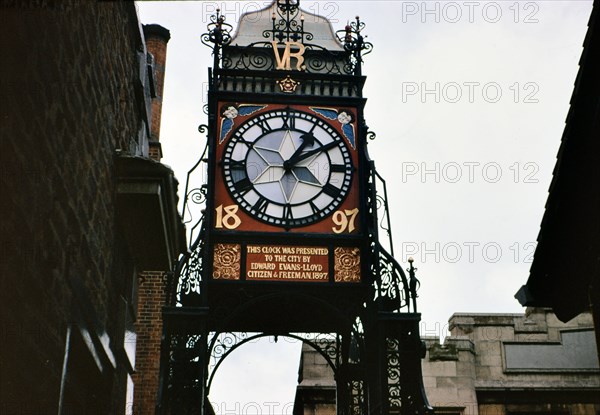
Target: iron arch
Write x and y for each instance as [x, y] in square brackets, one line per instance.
[312, 344]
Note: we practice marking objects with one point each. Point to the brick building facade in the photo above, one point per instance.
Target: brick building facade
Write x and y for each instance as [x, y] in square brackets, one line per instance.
[491, 364]
[152, 284]
[84, 208]
[151, 300]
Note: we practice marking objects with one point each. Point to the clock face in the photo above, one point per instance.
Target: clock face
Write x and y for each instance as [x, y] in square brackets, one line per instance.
[287, 167]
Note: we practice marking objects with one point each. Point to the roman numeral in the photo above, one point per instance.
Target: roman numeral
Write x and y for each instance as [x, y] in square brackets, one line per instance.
[331, 190]
[246, 143]
[261, 205]
[243, 186]
[338, 168]
[264, 126]
[236, 165]
[289, 121]
[287, 212]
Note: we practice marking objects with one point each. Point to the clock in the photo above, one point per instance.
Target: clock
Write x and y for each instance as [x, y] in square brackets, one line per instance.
[287, 167]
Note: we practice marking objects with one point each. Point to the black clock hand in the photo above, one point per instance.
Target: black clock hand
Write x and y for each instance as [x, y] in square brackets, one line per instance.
[308, 139]
[295, 159]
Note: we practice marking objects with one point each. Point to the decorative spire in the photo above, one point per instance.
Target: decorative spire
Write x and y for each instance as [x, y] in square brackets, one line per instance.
[354, 42]
[288, 23]
[288, 5]
[217, 37]
[413, 283]
[219, 32]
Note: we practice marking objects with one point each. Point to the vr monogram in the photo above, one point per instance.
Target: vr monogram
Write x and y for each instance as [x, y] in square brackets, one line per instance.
[285, 62]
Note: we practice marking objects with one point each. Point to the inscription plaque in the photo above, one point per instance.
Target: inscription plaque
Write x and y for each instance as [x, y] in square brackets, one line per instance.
[287, 263]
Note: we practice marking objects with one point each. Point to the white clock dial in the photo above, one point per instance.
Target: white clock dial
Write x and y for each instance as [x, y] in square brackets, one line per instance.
[287, 168]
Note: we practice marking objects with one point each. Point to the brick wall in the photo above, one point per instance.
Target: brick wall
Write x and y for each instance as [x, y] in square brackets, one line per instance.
[72, 99]
[157, 38]
[151, 299]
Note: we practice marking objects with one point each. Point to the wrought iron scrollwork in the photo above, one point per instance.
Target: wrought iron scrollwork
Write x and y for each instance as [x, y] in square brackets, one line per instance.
[221, 345]
[354, 42]
[256, 56]
[393, 373]
[219, 32]
[259, 56]
[286, 26]
[185, 287]
[189, 275]
[184, 375]
[329, 345]
[197, 194]
[393, 287]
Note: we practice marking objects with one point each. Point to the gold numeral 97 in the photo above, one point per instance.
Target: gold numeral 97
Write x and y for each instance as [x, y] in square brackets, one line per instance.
[344, 220]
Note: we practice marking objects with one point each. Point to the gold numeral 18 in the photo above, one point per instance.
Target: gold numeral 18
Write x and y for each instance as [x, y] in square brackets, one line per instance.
[230, 220]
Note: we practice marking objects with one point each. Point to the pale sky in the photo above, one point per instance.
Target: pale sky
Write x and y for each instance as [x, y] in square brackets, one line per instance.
[468, 101]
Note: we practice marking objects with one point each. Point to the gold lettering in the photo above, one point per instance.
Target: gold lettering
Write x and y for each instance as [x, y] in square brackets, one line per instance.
[285, 61]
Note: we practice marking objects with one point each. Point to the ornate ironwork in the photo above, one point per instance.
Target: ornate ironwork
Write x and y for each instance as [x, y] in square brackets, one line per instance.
[182, 393]
[392, 287]
[220, 346]
[392, 290]
[357, 397]
[413, 284]
[393, 374]
[288, 23]
[184, 285]
[219, 32]
[259, 56]
[329, 345]
[287, 26]
[354, 42]
[197, 195]
[189, 275]
[217, 37]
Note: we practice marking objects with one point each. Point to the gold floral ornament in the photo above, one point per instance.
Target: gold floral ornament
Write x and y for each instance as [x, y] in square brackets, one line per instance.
[288, 85]
[227, 262]
[347, 264]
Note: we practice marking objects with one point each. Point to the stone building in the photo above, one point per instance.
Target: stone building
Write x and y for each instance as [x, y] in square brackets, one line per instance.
[491, 364]
[84, 208]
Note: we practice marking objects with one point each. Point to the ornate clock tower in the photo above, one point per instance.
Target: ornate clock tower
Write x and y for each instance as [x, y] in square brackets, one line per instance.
[286, 238]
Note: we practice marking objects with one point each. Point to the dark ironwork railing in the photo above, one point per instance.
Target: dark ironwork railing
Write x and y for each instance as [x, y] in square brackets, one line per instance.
[393, 291]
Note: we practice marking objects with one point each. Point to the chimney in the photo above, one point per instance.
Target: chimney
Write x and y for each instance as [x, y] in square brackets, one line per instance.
[157, 38]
